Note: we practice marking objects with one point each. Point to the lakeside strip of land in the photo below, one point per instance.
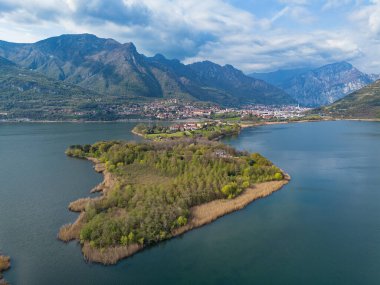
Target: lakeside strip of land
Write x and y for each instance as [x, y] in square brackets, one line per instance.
[199, 215]
[5, 264]
[211, 130]
[258, 124]
[242, 124]
[247, 124]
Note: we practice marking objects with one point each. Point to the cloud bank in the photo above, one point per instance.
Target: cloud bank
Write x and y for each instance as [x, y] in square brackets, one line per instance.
[288, 34]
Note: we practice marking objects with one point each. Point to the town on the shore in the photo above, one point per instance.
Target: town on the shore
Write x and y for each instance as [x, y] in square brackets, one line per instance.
[174, 109]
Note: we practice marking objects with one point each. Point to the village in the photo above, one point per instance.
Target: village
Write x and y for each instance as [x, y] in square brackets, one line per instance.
[187, 127]
[210, 130]
[174, 109]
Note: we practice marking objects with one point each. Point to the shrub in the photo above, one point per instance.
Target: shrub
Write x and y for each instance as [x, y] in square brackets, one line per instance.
[278, 176]
[181, 221]
[124, 240]
[230, 190]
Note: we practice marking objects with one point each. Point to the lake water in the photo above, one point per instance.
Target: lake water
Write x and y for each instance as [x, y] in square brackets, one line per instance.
[322, 228]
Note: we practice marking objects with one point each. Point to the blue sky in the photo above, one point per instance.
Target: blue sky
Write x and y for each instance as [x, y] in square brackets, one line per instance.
[253, 35]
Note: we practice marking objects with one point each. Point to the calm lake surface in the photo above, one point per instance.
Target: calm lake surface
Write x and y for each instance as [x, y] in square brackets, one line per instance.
[322, 228]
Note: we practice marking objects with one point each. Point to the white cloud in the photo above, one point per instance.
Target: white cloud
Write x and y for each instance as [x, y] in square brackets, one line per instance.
[369, 16]
[330, 4]
[294, 2]
[277, 50]
[198, 30]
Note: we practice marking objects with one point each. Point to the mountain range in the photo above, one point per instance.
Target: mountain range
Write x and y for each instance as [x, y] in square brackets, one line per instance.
[110, 68]
[320, 86]
[28, 94]
[65, 75]
[279, 77]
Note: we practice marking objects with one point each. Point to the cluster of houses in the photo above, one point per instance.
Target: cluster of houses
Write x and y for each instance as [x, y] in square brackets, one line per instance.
[186, 127]
[222, 153]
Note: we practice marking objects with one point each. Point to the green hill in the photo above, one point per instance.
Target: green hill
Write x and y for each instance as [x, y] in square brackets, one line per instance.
[364, 103]
[28, 94]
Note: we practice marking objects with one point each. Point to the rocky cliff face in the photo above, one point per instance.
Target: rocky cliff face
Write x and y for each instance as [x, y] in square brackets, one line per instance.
[327, 84]
[363, 103]
[321, 86]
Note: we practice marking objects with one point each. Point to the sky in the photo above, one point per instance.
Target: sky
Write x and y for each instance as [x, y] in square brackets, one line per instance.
[252, 35]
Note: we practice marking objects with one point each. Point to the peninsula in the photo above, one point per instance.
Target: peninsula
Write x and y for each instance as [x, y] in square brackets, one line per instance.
[5, 264]
[212, 130]
[156, 190]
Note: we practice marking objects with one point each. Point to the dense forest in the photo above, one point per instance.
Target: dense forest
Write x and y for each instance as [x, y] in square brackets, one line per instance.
[158, 183]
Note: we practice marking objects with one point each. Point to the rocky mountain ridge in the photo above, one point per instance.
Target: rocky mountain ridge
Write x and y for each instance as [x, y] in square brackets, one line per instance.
[111, 68]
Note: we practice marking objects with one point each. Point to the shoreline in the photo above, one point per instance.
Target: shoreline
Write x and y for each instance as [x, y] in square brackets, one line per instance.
[251, 125]
[16, 121]
[259, 124]
[5, 264]
[137, 134]
[242, 125]
[74, 121]
[200, 215]
[222, 136]
[360, 120]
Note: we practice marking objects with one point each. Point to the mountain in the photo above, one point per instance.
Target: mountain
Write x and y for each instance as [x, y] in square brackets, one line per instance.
[227, 79]
[321, 86]
[102, 65]
[364, 103]
[29, 94]
[279, 77]
[374, 77]
[109, 67]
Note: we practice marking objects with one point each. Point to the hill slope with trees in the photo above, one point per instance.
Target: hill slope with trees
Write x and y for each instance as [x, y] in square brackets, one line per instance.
[362, 104]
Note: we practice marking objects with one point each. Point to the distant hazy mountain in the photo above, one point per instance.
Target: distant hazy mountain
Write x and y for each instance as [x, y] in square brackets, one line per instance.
[374, 77]
[228, 80]
[364, 103]
[29, 94]
[321, 86]
[109, 67]
[279, 77]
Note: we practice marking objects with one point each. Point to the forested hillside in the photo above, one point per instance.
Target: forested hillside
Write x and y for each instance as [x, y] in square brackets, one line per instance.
[29, 94]
[362, 104]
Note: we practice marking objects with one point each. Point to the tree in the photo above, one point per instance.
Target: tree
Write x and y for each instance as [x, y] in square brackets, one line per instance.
[181, 221]
[278, 176]
[230, 190]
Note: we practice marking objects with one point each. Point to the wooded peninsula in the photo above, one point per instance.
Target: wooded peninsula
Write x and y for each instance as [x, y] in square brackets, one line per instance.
[211, 130]
[155, 190]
